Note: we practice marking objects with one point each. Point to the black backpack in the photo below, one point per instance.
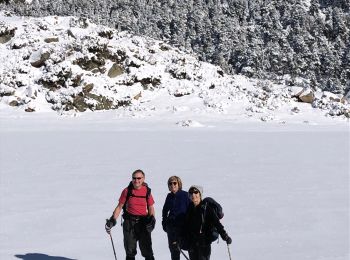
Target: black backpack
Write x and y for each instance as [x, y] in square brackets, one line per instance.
[210, 202]
[129, 194]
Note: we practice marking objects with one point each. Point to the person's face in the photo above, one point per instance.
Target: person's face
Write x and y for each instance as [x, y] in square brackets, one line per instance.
[195, 196]
[137, 180]
[173, 186]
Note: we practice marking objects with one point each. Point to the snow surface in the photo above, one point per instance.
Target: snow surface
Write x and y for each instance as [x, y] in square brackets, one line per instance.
[284, 187]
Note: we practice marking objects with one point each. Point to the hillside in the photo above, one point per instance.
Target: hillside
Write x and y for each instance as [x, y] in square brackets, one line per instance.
[278, 40]
[68, 64]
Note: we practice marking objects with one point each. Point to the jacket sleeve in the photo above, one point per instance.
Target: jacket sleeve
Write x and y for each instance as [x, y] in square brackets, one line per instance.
[185, 228]
[213, 218]
[165, 208]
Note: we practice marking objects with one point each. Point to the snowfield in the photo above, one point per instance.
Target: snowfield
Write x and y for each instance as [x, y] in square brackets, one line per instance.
[284, 188]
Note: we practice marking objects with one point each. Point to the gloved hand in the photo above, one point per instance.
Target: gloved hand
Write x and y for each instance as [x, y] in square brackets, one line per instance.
[175, 245]
[150, 223]
[226, 238]
[164, 225]
[111, 222]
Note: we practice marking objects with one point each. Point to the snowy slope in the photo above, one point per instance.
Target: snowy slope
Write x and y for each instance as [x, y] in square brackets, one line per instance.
[70, 66]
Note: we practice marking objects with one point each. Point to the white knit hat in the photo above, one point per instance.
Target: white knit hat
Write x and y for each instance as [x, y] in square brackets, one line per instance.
[197, 187]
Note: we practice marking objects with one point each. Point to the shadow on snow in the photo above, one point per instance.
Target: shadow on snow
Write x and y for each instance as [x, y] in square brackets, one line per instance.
[36, 256]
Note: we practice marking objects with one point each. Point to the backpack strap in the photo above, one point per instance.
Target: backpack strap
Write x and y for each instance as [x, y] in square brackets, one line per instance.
[204, 213]
[148, 193]
[130, 194]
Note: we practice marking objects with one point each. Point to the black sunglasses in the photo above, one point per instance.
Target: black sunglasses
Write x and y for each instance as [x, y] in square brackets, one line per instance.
[193, 191]
[172, 183]
[136, 178]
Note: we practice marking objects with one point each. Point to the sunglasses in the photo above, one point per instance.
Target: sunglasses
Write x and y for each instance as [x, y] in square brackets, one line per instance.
[193, 192]
[136, 178]
[172, 183]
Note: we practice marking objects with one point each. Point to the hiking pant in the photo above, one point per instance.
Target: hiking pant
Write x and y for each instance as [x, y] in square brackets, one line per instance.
[199, 252]
[134, 231]
[173, 241]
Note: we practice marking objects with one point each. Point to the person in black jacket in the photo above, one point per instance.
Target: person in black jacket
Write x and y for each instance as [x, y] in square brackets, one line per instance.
[174, 211]
[198, 226]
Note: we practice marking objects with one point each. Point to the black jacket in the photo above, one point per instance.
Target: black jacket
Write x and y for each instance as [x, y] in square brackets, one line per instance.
[199, 222]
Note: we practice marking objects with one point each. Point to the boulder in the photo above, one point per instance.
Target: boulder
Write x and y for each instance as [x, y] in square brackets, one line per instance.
[51, 39]
[136, 97]
[14, 103]
[87, 88]
[307, 96]
[296, 91]
[29, 109]
[80, 104]
[38, 58]
[6, 34]
[115, 71]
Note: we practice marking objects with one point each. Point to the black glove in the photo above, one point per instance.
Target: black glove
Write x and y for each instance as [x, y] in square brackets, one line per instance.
[164, 225]
[150, 223]
[111, 222]
[226, 238]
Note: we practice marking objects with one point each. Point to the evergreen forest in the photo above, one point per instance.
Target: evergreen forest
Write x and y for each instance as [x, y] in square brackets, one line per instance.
[305, 42]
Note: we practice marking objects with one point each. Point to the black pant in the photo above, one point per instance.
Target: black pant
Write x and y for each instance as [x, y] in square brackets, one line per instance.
[134, 230]
[200, 252]
[173, 239]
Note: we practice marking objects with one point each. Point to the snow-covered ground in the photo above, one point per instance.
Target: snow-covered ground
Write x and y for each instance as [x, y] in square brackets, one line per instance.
[284, 187]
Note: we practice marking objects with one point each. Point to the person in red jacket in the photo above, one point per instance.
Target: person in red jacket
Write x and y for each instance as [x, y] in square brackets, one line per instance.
[139, 217]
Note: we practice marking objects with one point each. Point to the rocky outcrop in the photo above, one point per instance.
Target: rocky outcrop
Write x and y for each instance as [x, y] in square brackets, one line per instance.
[6, 32]
[38, 58]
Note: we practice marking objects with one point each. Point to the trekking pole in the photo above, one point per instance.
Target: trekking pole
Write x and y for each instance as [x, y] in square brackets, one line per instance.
[115, 256]
[182, 252]
[229, 253]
